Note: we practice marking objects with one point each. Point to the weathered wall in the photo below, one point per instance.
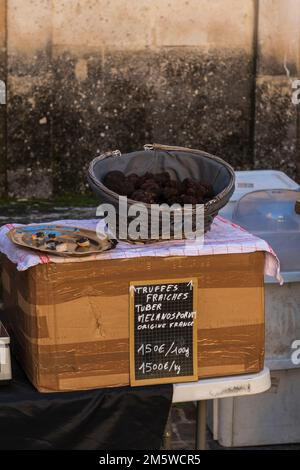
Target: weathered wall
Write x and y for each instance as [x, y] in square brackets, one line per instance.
[30, 98]
[278, 65]
[90, 75]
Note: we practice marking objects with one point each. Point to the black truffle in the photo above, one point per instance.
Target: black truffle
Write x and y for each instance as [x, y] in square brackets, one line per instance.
[188, 199]
[189, 183]
[170, 194]
[162, 178]
[117, 182]
[113, 176]
[151, 186]
[159, 188]
[175, 184]
[209, 190]
[114, 180]
[173, 200]
[147, 176]
[144, 196]
[134, 179]
[127, 187]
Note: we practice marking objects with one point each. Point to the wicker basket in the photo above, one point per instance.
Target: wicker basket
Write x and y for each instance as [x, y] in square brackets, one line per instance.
[180, 163]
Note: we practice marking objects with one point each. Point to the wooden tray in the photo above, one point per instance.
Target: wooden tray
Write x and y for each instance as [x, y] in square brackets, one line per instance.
[60, 235]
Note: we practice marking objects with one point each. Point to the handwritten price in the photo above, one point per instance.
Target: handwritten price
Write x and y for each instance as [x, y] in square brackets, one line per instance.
[149, 367]
[148, 348]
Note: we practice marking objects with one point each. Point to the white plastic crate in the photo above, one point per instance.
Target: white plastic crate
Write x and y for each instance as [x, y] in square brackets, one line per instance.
[274, 416]
[281, 302]
[5, 362]
[248, 181]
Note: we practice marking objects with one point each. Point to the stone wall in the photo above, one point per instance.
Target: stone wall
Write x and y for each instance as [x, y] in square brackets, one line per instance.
[90, 75]
[276, 133]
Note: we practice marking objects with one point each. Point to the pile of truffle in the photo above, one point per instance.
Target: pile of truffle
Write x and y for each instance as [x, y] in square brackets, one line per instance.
[158, 188]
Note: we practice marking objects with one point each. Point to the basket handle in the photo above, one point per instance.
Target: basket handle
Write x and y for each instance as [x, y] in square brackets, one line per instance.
[149, 147]
[110, 153]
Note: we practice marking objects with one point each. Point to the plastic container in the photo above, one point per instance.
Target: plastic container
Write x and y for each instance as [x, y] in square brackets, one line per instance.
[256, 180]
[274, 416]
[271, 215]
[5, 362]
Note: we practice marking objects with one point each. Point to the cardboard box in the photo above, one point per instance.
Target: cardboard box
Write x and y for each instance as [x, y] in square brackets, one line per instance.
[70, 322]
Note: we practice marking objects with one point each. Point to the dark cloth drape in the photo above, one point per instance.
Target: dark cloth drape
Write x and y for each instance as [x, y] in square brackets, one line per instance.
[104, 419]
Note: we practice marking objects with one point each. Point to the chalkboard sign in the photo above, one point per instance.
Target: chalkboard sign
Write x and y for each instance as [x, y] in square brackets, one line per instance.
[163, 331]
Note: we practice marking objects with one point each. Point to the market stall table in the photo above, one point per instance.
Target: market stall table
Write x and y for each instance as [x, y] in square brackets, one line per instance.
[234, 345]
[29, 419]
[211, 389]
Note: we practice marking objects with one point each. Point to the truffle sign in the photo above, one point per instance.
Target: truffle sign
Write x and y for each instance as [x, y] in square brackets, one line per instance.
[163, 331]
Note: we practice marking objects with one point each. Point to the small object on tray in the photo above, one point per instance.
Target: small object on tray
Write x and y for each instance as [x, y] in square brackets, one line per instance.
[51, 245]
[38, 236]
[83, 242]
[60, 240]
[58, 246]
[51, 236]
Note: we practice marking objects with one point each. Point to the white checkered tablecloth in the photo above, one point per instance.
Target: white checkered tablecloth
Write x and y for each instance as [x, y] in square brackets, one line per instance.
[223, 238]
